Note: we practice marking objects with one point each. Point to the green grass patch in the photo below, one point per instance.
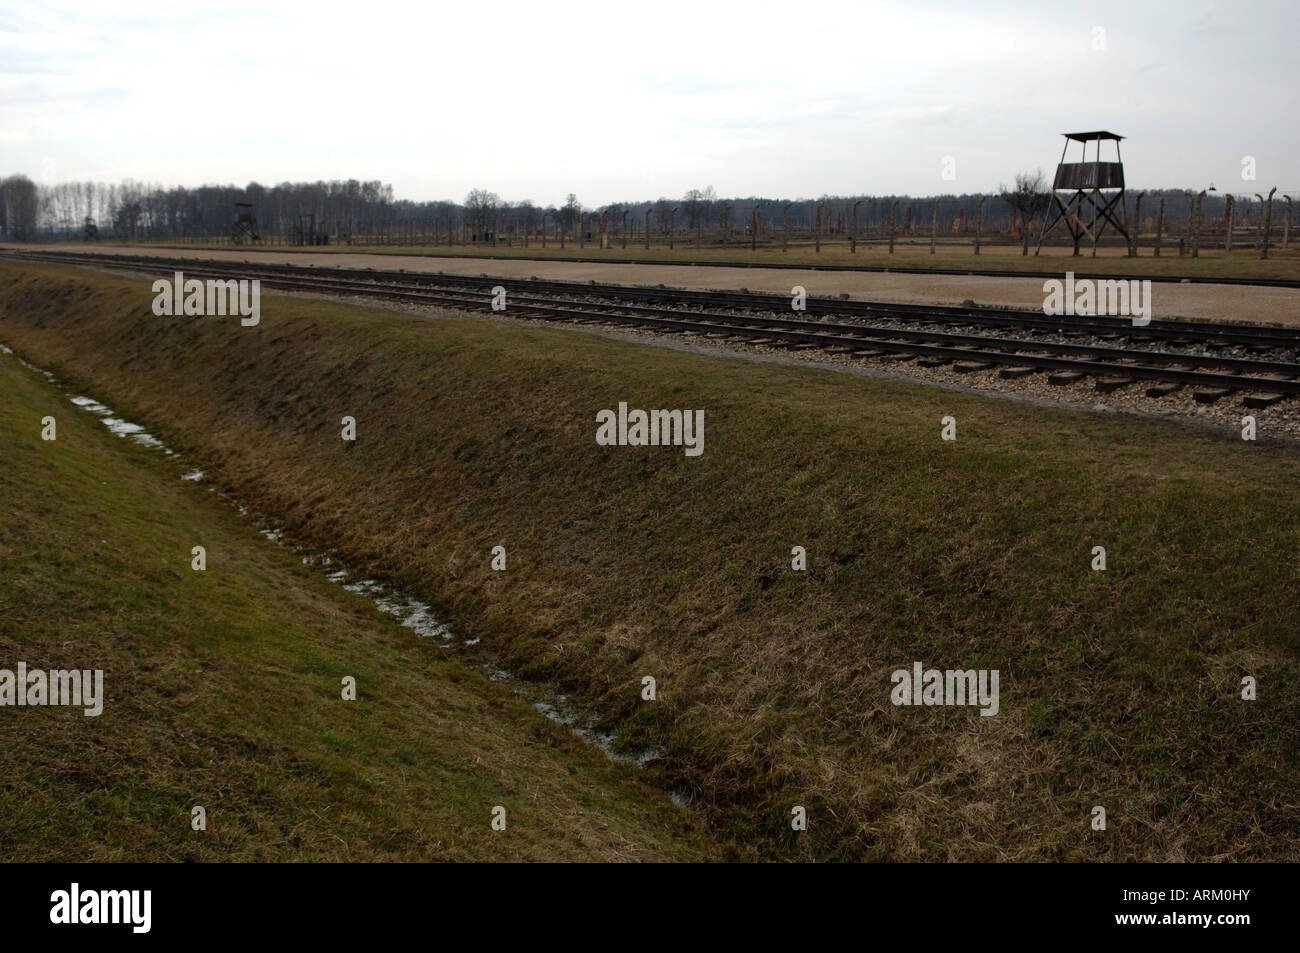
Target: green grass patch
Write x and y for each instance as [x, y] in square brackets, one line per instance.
[223, 689]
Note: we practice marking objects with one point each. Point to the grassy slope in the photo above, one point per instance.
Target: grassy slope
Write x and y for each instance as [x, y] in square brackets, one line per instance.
[223, 689]
[1118, 688]
[1242, 262]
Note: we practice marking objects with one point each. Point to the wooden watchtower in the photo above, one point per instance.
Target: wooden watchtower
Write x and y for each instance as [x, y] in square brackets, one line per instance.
[244, 226]
[1087, 195]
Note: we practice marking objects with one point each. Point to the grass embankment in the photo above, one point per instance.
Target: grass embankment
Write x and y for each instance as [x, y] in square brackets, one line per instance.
[1118, 688]
[224, 690]
[1241, 262]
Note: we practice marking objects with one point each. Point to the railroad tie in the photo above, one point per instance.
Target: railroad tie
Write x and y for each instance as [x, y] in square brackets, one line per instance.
[1208, 395]
[1061, 378]
[1107, 385]
[1163, 390]
[1011, 373]
[969, 367]
[1262, 400]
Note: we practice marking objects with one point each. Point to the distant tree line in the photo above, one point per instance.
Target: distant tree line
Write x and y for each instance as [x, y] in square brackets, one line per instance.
[344, 210]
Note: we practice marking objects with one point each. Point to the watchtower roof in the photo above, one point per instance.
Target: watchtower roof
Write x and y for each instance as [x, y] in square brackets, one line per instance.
[1090, 136]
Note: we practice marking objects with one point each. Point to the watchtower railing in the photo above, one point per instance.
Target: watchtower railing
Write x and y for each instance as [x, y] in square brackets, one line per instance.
[1089, 175]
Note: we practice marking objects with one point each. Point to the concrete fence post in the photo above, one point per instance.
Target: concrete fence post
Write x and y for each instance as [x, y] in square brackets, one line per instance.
[1137, 227]
[1268, 224]
[1160, 226]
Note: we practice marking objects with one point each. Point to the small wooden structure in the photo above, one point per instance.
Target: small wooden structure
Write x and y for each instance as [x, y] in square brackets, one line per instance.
[244, 228]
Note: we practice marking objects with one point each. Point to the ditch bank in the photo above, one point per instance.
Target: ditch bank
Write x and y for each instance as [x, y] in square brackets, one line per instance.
[772, 685]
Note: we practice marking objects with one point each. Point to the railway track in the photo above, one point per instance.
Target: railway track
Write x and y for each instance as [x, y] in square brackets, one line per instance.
[1015, 343]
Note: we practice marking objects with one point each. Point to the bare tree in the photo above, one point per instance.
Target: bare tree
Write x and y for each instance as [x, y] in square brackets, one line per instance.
[570, 212]
[1028, 197]
[480, 207]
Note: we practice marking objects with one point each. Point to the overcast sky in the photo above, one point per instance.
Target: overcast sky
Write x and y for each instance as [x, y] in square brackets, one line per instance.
[620, 101]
